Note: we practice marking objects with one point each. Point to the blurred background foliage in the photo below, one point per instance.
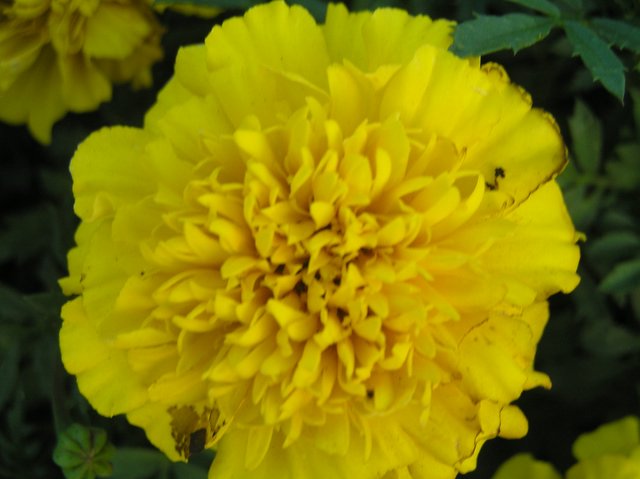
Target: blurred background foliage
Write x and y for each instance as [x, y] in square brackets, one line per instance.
[591, 347]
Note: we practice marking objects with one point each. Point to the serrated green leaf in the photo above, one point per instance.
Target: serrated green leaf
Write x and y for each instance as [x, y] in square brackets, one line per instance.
[586, 136]
[603, 64]
[619, 33]
[544, 6]
[487, 34]
[623, 278]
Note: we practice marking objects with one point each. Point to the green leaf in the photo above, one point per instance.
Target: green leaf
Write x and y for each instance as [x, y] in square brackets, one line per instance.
[623, 278]
[83, 452]
[619, 33]
[604, 338]
[544, 6]
[590, 303]
[137, 463]
[617, 219]
[603, 64]
[575, 6]
[586, 136]
[188, 471]
[487, 34]
[583, 206]
[624, 172]
[614, 246]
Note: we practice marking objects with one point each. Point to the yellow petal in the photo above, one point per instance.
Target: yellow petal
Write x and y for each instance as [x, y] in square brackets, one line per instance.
[100, 184]
[114, 31]
[30, 100]
[541, 252]
[386, 36]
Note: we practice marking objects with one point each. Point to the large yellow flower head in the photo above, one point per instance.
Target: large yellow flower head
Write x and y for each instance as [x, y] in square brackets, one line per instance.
[327, 254]
[610, 452]
[63, 55]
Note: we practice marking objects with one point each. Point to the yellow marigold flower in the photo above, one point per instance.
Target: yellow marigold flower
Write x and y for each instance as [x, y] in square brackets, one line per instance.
[610, 452]
[524, 466]
[63, 55]
[327, 253]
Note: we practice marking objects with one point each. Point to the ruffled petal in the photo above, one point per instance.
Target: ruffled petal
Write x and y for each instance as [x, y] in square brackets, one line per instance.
[101, 184]
[540, 252]
[28, 101]
[103, 373]
[386, 36]
[115, 31]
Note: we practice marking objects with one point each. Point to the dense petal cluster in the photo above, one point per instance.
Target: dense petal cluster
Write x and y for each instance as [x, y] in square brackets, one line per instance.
[63, 55]
[327, 253]
[612, 451]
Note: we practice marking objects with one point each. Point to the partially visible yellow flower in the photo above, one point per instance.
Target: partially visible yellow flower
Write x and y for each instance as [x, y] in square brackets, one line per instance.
[63, 55]
[327, 253]
[524, 466]
[610, 452]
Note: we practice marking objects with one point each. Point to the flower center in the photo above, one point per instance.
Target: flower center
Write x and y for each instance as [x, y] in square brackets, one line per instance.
[321, 247]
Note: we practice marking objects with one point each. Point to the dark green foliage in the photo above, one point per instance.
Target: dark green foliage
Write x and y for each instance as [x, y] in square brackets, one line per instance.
[603, 64]
[590, 37]
[591, 347]
[513, 31]
[84, 453]
[542, 6]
